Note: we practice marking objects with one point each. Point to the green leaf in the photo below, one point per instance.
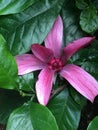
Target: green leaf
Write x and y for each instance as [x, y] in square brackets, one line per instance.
[31, 26]
[95, 2]
[26, 82]
[8, 67]
[93, 124]
[66, 110]
[9, 100]
[89, 19]
[81, 4]
[31, 116]
[77, 97]
[87, 58]
[14, 6]
[71, 18]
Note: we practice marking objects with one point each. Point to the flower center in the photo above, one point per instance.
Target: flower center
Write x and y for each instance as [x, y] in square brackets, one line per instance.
[55, 64]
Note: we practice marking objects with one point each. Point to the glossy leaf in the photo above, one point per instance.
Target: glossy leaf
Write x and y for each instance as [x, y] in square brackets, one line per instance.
[9, 100]
[26, 82]
[66, 110]
[31, 26]
[77, 97]
[89, 19]
[8, 67]
[14, 6]
[87, 58]
[71, 18]
[31, 116]
[95, 2]
[93, 124]
[81, 4]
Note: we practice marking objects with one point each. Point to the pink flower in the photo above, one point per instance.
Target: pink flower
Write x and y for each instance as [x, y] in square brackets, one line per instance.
[52, 59]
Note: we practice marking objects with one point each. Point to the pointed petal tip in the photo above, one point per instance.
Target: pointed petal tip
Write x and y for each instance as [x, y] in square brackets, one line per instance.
[82, 81]
[87, 40]
[92, 100]
[54, 37]
[33, 45]
[44, 103]
[41, 99]
[59, 18]
[44, 86]
[94, 37]
[91, 39]
[76, 45]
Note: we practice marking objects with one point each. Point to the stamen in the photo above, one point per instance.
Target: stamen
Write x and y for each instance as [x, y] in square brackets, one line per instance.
[55, 64]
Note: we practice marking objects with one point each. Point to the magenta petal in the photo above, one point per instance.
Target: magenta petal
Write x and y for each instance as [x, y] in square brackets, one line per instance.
[42, 53]
[44, 85]
[82, 81]
[28, 63]
[54, 38]
[73, 47]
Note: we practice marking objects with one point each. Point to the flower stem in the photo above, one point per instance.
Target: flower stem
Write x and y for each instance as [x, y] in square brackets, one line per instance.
[56, 91]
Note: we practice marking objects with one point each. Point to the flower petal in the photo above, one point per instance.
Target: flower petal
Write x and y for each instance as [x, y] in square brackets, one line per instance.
[54, 38]
[28, 63]
[73, 47]
[82, 81]
[44, 85]
[42, 53]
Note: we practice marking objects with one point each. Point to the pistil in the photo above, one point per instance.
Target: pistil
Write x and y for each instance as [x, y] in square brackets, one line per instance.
[55, 64]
